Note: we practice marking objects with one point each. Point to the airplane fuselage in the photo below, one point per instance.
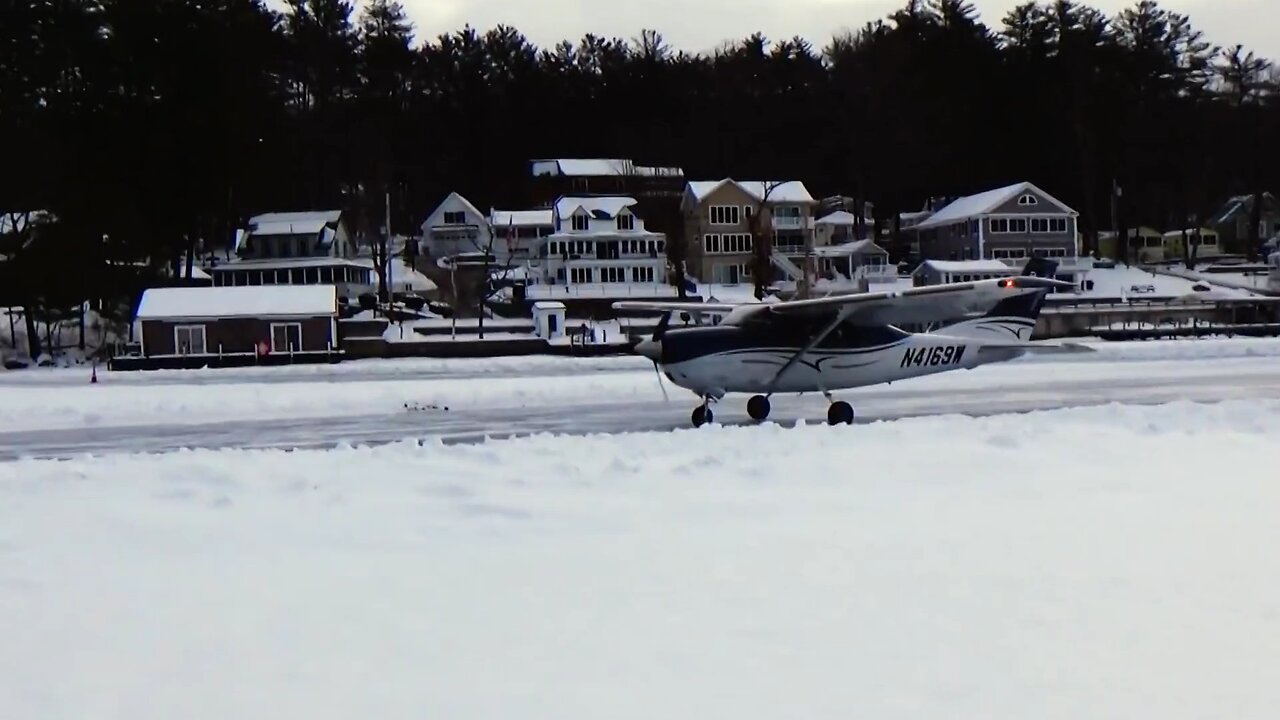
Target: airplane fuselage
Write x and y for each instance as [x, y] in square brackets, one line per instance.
[714, 361]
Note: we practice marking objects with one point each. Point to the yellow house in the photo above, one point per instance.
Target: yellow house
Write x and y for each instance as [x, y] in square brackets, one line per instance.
[1207, 240]
[1145, 245]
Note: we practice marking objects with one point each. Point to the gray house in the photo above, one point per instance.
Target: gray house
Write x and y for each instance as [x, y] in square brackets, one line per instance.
[297, 248]
[1011, 224]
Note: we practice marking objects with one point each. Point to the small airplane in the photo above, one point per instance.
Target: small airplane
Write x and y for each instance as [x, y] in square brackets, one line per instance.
[844, 341]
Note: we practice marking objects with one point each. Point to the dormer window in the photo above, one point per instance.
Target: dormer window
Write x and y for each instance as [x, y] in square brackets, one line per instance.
[455, 218]
[1028, 199]
[580, 222]
[626, 221]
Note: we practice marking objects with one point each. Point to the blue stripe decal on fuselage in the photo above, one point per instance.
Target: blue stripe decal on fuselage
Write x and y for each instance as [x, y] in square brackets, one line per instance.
[689, 344]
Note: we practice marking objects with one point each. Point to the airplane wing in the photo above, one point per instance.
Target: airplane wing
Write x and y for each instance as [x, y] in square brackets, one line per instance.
[926, 304]
[693, 308]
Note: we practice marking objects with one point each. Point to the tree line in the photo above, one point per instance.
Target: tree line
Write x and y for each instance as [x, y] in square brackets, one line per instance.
[152, 127]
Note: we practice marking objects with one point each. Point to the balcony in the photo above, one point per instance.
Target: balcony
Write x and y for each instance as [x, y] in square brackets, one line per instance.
[876, 272]
[792, 223]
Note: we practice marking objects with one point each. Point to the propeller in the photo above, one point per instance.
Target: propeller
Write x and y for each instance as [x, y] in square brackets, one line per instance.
[652, 349]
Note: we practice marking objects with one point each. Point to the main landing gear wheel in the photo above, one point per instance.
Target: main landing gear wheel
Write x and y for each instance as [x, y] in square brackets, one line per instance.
[840, 413]
[758, 407]
[702, 415]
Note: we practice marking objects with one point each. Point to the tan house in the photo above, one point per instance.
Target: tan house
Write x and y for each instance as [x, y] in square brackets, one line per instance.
[1146, 245]
[1203, 242]
[718, 226]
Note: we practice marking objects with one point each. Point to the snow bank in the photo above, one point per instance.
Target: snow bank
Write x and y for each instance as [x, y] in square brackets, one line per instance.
[1076, 563]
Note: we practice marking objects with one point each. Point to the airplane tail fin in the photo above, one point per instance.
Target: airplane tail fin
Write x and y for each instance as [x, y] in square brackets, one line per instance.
[1013, 318]
[1040, 267]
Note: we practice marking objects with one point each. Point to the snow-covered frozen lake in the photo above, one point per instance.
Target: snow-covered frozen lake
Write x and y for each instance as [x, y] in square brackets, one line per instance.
[59, 413]
[1113, 561]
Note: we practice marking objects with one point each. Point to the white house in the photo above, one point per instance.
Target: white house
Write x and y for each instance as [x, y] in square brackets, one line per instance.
[455, 227]
[944, 272]
[601, 240]
[518, 234]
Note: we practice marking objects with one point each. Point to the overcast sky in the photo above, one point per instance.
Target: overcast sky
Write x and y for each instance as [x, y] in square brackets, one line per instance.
[701, 25]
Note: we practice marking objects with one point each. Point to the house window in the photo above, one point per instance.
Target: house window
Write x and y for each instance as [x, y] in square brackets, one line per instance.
[999, 225]
[1026, 200]
[1017, 225]
[286, 337]
[580, 222]
[1008, 253]
[1057, 225]
[728, 243]
[626, 221]
[642, 274]
[725, 214]
[189, 340]
[580, 275]
[455, 218]
[1039, 225]
[613, 274]
[711, 243]
[736, 243]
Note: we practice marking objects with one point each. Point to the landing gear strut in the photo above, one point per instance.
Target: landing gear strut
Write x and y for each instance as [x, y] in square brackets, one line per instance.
[758, 408]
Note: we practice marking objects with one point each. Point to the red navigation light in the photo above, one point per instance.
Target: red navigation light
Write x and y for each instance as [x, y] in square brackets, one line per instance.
[1008, 283]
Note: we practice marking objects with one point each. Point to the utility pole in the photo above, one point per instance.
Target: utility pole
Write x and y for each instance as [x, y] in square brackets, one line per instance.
[386, 251]
[1122, 234]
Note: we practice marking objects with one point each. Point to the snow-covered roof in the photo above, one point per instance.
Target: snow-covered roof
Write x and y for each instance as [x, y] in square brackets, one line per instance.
[293, 223]
[1238, 203]
[789, 191]
[857, 247]
[456, 200]
[400, 276]
[967, 266]
[600, 207]
[972, 206]
[599, 167]
[521, 218]
[1143, 231]
[839, 217]
[1177, 234]
[192, 303]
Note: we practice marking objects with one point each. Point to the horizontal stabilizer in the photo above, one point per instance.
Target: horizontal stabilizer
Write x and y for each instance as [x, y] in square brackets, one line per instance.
[1038, 347]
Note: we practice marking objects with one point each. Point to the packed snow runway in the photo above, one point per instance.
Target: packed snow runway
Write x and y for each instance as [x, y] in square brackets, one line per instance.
[1112, 561]
[59, 414]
